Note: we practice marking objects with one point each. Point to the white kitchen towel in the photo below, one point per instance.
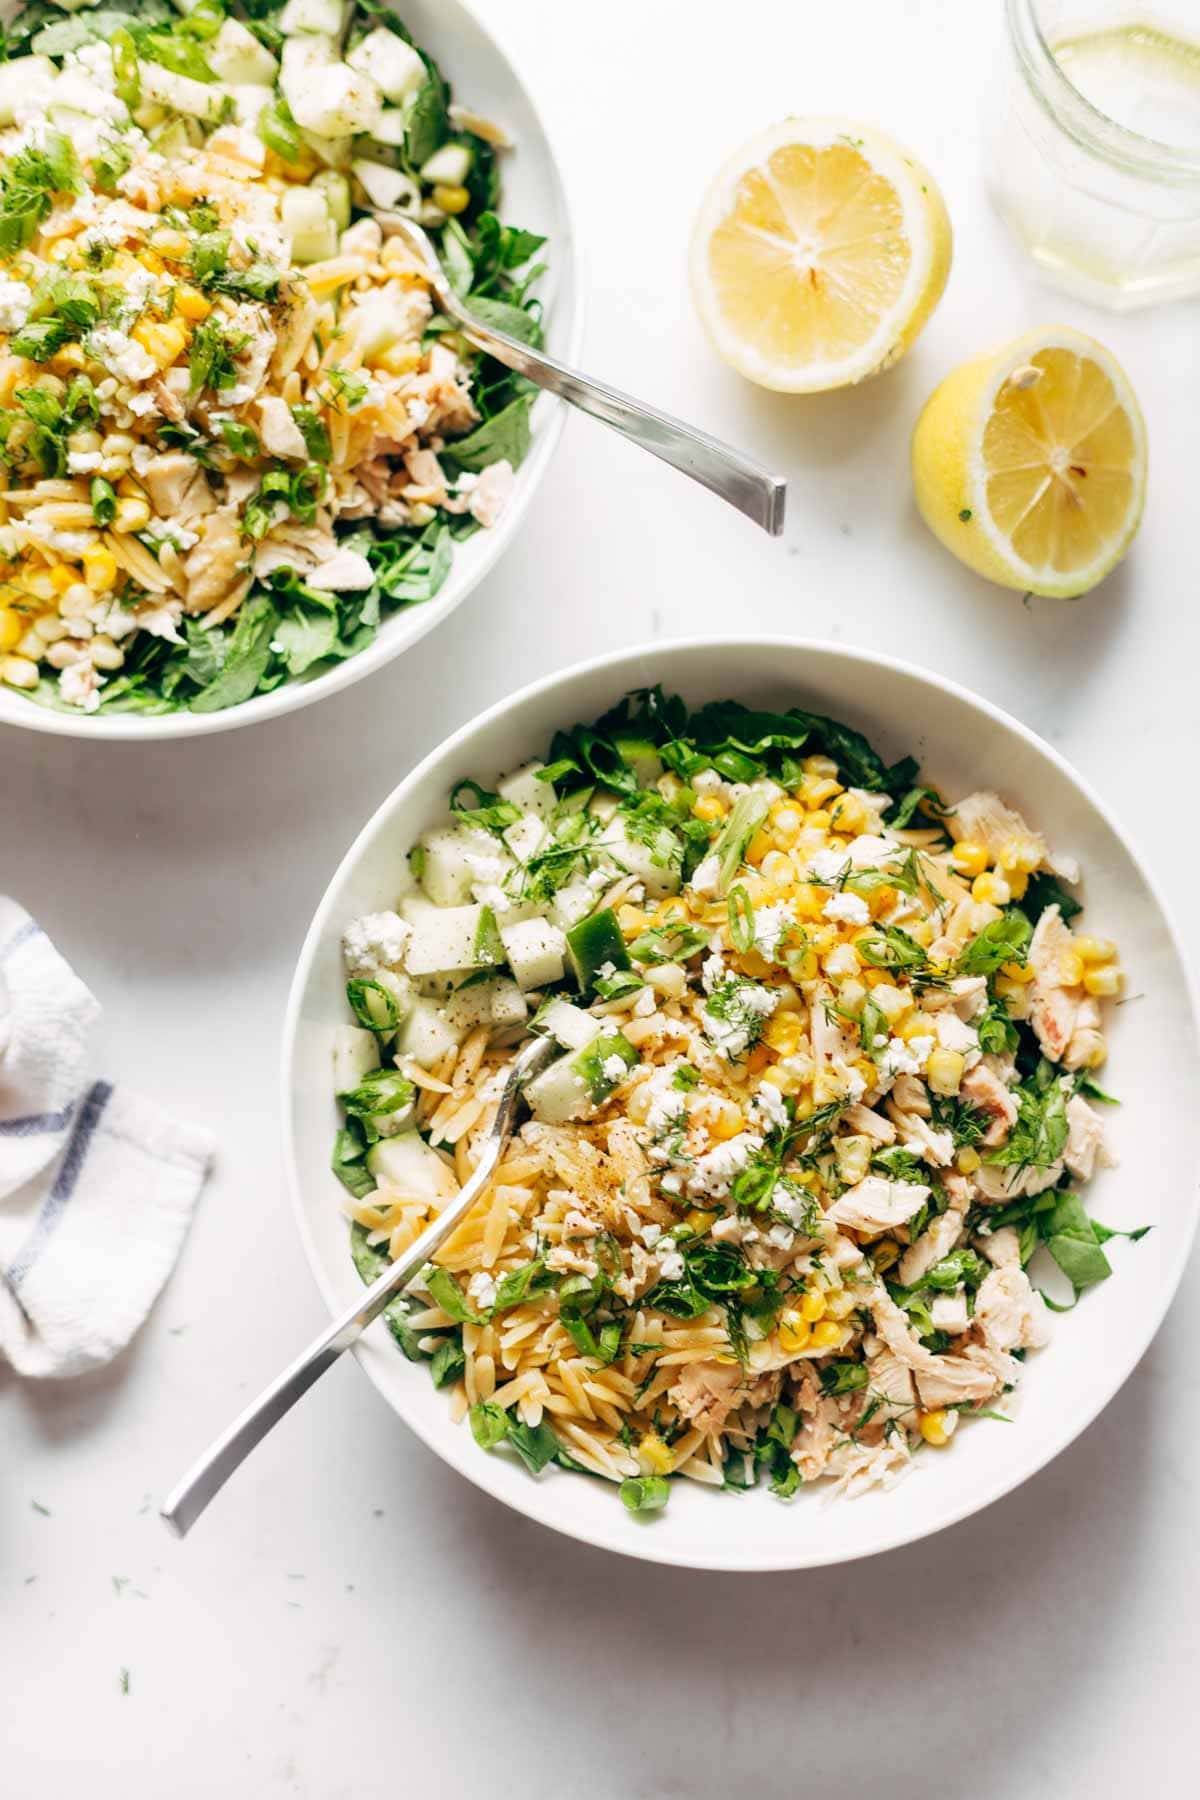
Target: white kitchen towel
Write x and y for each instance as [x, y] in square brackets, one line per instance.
[97, 1186]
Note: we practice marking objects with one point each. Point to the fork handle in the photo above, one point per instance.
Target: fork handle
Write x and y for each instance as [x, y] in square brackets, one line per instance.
[724, 471]
[205, 1479]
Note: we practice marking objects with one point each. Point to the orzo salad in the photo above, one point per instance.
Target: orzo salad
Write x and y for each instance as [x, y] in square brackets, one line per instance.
[235, 431]
[816, 1139]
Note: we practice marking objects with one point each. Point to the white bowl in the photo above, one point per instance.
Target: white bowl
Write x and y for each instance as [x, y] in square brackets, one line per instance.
[482, 77]
[963, 743]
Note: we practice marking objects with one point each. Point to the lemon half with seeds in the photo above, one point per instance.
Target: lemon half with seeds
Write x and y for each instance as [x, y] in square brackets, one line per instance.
[820, 251]
[1030, 463]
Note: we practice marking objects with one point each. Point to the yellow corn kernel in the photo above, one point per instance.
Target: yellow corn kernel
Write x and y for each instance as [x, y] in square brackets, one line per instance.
[726, 1123]
[808, 900]
[670, 912]
[813, 1306]
[794, 1333]
[150, 259]
[816, 793]
[921, 932]
[654, 1455]
[866, 1069]
[969, 858]
[169, 242]
[892, 1002]
[826, 1087]
[826, 1335]
[819, 767]
[1095, 950]
[758, 847]
[853, 1157]
[1021, 855]
[852, 997]
[819, 820]
[698, 1221]
[191, 304]
[991, 890]
[61, 577]
[18, 672]
[451, 199]
[920, 1025]
[401, 359]
[967, 1161]
[632, 920]
[1070, 968]
[777, 867]
[1018, 973]
[936, 1428]
[131, 515]
[850, 815]
[68, 359]
[1097, 1056]
[785, 826]
[709, 807]
[757, 1060]
[1104, 982]
[64, 251]
[823, 938]
[1018, 882]
[11, 627]
[945, 1070]
[163, 340]
[802, 965]
[784, 1033]
[99, 569]
[40, 585]
[885, 1254]
[841, 1304]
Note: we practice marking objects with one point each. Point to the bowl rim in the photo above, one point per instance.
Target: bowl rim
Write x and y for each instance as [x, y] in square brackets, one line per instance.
[292, 695]
[1073, 1425]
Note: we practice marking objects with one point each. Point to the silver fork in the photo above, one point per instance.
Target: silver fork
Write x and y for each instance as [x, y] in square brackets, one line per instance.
[205, 1479]
[745, 484]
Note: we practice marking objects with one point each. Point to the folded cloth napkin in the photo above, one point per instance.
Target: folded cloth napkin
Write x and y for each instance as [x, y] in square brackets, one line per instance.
[97, 1186]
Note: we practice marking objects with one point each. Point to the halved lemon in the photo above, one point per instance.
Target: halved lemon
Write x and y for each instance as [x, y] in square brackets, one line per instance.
[1030, 463]
[821, 249]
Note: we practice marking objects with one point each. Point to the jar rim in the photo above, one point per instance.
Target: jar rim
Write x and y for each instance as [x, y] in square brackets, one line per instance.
[1079, 117]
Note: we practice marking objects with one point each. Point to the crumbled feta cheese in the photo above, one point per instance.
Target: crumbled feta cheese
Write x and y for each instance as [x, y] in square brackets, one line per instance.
[897, 1059]
[120, 355]
[741, 1007]
[377, 940]
[15, 301]
[79, 686]
[481, 1289]
[707, 878]
[613, 1068]
[842, 960]
[671, 1184]
[781, 1236]
[714, 1172]
[83, 462]
[826, 865]
[650, 1235]
[768, 1105]
[770, 925]
[954, 1033]
[671, 1266]
[921, 1047]
[851, 908]
[791, 1205]
[712, 971]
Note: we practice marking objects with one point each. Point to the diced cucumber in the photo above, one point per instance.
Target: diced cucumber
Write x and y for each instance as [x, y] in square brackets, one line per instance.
[236, 56]
[526, 837]
[603, 805]
[179, 93]
[571, 1025]
[394, 66]
[355, 1053]
[455, 858]
[640, 755]
[597, 1064]
[660, 876]
[385, 187]
[390, 128]
[408, 1164]
[592, 945]
[384, 1100]
[336, 190]
[578, 1084]
[499, 1003]
[454, 937]
[427, 1034]
[320, 16]
[522, 788]
[572, 903]
[449, 166]
[309, 224]
[414, 907]
[536, 950]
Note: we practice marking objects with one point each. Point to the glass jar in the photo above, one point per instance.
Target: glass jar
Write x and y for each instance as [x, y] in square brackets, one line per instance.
[1093, 145]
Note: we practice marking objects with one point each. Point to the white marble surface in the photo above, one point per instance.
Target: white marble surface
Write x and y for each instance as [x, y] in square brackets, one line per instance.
[352, 1619]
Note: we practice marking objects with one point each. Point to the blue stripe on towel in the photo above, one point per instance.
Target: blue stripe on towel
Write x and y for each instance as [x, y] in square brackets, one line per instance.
[65, 1183]
[22, 935]
[37, 1124]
